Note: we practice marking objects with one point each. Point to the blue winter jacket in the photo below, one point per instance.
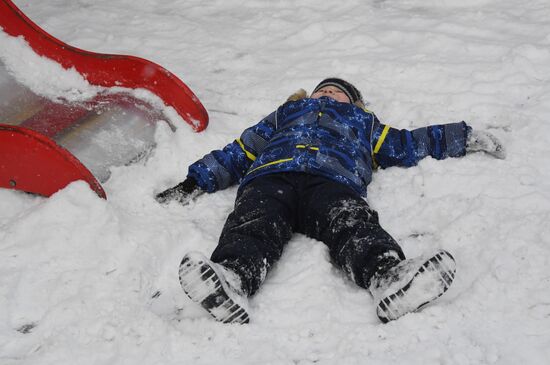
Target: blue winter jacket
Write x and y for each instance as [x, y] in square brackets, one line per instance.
[324, 137]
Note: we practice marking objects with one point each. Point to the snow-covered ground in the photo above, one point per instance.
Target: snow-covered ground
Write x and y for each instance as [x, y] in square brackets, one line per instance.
[91, 281]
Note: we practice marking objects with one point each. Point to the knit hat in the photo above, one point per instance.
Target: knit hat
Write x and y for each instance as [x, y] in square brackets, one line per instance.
[351, 91]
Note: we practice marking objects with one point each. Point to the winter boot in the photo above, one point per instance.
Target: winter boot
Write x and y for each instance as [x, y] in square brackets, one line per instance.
[411, 284]
[214, 288]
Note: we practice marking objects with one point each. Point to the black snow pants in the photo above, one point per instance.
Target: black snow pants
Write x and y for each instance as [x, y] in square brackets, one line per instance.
[271, 207]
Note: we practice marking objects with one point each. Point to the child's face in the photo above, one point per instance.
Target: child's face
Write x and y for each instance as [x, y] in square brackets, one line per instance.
[332, 92]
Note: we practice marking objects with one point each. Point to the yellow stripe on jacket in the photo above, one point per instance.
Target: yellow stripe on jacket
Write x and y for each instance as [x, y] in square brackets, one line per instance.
[250, 155]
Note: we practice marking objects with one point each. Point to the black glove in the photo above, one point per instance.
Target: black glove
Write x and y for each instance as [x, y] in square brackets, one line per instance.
[184, 192]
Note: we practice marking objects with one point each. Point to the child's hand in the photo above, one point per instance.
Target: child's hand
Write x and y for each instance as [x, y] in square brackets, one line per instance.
[184, 192]
[481, 141]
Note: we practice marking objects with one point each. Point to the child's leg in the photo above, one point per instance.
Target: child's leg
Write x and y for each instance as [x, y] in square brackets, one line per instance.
[342, 219]
[255, 233]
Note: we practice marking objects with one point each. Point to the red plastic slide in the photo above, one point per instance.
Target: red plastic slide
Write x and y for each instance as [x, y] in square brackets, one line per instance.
[45, 144]
[105, 69]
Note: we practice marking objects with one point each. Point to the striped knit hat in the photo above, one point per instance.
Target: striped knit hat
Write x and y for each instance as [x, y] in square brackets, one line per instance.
[351, 91]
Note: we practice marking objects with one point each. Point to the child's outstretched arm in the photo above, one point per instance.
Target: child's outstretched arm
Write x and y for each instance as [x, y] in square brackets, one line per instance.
[402, 147]
[220, 169]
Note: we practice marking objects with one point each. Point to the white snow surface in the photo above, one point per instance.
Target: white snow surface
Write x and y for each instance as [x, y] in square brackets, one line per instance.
[91, 281]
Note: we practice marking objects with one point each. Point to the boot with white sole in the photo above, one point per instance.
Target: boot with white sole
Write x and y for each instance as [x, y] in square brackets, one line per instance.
[411, 284]
[214, 287]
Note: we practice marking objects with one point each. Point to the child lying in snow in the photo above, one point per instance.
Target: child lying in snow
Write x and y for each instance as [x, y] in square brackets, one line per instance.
[305, 168]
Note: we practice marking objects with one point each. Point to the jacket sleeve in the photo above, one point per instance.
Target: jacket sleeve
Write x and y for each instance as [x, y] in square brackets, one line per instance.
[401, 147]
[220, 169]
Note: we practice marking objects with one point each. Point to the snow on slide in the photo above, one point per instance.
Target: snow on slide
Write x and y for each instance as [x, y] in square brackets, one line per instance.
[48, 141]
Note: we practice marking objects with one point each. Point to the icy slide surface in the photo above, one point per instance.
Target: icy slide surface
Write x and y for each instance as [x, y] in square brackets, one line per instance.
[90, 281]
[104, 132]
[47, 142]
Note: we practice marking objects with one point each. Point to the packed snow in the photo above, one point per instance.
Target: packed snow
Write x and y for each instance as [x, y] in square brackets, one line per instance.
[90, 281]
